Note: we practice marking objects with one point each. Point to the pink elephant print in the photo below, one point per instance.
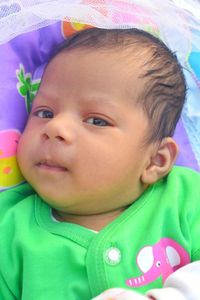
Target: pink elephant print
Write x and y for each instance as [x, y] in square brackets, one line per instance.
[161, 259]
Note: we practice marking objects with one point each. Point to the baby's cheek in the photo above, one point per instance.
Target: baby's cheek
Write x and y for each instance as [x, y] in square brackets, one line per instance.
[22, 152]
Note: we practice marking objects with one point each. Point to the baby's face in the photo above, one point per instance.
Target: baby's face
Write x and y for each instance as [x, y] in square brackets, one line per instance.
[82, 149]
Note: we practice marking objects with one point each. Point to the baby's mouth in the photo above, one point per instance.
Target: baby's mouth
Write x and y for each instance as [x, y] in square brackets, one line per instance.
[51, 166]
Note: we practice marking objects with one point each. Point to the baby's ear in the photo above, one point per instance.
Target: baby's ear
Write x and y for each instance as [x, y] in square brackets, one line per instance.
[161, 161]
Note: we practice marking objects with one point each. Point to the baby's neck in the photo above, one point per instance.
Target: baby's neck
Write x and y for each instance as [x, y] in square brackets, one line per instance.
[94, 222]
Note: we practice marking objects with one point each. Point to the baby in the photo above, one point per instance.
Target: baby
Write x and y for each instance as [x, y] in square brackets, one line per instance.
[103, 208]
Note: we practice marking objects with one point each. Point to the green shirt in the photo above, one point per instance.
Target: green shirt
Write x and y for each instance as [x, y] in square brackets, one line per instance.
[43, 259]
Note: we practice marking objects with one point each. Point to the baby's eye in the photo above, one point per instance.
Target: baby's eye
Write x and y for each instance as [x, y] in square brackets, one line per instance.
[97, 121]
[44, 113]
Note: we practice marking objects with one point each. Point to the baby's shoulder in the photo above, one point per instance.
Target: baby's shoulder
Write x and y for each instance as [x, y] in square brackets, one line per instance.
[184, 183]
[184, 175]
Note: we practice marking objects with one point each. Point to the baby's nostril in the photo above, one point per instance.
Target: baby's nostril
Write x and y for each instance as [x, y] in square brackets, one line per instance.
[60, 138]
[45, 136]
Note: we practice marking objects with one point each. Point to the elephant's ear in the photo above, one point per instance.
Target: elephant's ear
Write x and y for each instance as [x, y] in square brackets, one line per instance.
[145, 259]
[173, 256]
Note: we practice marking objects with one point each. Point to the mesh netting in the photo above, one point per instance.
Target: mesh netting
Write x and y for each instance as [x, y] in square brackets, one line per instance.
[178, 21]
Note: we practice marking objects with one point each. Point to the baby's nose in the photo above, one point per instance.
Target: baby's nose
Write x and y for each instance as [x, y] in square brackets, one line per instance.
[58, 130]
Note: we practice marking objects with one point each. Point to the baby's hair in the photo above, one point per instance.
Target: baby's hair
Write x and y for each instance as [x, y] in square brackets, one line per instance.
[164, 92]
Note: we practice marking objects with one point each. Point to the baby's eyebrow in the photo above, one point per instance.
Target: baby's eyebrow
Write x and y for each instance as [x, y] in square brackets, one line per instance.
[107, 100]
[89, 101]
[98, 101]
[47, 96]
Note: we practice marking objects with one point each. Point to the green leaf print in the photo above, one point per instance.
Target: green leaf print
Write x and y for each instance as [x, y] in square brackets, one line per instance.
[27, 87]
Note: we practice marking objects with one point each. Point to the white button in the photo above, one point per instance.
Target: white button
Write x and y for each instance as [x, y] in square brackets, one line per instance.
[113, 256]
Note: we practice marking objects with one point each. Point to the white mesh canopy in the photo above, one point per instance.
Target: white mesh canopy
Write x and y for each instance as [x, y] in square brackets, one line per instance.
[178, 21]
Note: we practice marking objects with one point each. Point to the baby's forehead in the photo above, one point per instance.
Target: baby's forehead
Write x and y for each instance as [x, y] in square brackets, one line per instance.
[108, 62]
[132, 47]
[128, 62]
[94, 72]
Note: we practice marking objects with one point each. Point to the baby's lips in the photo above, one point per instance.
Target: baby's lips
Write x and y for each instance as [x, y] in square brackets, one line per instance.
[51, 164]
